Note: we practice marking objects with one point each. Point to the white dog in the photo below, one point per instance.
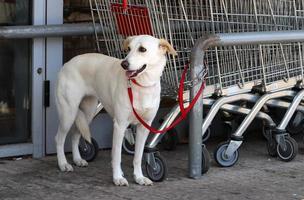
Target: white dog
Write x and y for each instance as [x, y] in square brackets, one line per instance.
[91, 78]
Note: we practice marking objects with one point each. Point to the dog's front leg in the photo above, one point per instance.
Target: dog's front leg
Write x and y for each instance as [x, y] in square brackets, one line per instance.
[141, 137]
[118, 135]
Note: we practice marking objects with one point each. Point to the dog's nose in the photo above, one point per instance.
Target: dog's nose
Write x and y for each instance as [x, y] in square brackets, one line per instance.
[125, 64]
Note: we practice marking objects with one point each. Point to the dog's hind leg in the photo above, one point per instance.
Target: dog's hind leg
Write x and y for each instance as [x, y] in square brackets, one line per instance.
[78, 161]
[67, 106]
[87, 111]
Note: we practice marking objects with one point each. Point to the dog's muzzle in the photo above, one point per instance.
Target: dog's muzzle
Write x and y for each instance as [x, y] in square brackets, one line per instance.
[134, 73]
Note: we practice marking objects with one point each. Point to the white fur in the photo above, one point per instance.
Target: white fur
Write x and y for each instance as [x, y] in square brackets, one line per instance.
[89, 78]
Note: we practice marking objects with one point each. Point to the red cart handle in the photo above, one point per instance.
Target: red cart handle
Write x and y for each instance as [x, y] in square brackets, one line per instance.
[125, 4]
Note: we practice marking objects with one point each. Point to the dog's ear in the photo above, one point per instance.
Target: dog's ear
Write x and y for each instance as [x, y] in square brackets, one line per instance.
[166, 47]
[126, 43]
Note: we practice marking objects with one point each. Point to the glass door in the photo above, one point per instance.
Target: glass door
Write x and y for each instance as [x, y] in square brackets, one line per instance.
[15, 75]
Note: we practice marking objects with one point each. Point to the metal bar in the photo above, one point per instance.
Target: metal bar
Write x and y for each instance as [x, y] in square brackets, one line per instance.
[196, 115]
[220, 102]
[94, 25]
[291, 110]
[267, 37]
[257, 107]
[245, 111]
[169, 118]
[241, 110]
[283, 104]
[36, 31]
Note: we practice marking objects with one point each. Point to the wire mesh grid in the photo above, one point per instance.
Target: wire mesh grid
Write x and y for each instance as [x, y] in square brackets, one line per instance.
[275, 66]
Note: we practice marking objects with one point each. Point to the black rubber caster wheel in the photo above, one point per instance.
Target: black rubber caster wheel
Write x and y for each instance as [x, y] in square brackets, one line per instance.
[160, 172]
[290, 152]
[272, 148]
[206, 160]
[128, 145]
[221, 159]
[170, 140]
[88, 151]
[271, 143]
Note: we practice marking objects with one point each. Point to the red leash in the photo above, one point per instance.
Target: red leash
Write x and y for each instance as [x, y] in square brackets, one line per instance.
[184, 111]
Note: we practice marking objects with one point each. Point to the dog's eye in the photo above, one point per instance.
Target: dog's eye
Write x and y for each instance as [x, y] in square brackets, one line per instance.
[142, 49]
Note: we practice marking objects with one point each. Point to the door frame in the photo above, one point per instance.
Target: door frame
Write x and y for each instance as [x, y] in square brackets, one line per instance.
[37, 143]
[53, 63]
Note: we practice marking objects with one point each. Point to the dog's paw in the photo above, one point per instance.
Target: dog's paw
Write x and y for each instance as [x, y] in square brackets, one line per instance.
[81, 163]
[66, 167]
[120, 181]
[143, 181]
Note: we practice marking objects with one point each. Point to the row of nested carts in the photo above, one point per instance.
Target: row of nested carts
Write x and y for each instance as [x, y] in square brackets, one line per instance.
[242, 80]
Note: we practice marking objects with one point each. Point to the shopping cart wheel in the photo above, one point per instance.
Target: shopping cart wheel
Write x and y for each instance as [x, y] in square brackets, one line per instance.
[160, 170]
[170, 140]
[271, 142]
[206, 160]
[291, 149]
[272, 147]
[222, 159]
[88, 151]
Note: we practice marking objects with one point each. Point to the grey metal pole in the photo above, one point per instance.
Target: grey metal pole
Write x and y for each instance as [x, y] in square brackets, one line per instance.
[196, 115]
[60, 30]
[266, 37]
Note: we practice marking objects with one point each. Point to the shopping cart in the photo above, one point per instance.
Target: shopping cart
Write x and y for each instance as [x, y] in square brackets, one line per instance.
[271, 70]
[266, 69]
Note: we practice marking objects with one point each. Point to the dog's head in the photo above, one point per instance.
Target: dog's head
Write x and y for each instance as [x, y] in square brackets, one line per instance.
[145, 53]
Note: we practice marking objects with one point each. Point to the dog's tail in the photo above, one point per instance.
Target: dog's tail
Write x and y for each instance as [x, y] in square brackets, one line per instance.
[83, 126]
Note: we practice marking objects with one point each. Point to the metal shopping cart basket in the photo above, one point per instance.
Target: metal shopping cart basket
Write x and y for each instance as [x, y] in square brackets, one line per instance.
[233, 71]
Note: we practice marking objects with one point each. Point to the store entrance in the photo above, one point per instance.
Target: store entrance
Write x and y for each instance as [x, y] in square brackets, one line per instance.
[15, 76]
